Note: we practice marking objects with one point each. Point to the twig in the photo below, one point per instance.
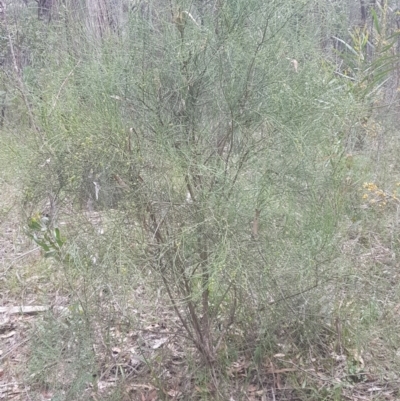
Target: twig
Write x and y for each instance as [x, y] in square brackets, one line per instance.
[14, 348]
[17, 258]
[25, 310]
[61, 87]
[21, 86]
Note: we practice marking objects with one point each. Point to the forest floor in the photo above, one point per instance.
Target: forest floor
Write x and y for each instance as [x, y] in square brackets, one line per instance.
[153, 361]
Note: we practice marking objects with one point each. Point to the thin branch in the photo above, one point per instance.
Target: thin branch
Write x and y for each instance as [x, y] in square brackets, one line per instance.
[62, 86]
[21, 86]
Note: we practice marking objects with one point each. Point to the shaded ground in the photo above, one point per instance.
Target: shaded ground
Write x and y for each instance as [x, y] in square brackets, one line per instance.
[145, 355]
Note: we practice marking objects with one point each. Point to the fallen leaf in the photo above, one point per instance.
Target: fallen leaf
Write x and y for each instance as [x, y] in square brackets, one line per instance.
[174, 393]
[10, 334]
[374, 389]
[295, 65]
[144, 386]
[252, 388]
[159, 343]
[278, 382]
[152, 396]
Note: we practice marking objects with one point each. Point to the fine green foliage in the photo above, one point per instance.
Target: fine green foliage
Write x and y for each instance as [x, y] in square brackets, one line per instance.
[211, 164]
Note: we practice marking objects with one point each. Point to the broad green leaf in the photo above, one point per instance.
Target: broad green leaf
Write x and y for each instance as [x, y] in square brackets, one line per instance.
[33, 224]
[347, 45]
[50, 254]
[41, 243]
[59, 240]
[375, 20]
[364, 40]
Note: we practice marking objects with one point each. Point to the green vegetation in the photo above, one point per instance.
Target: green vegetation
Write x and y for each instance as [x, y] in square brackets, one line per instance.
[205, 196]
